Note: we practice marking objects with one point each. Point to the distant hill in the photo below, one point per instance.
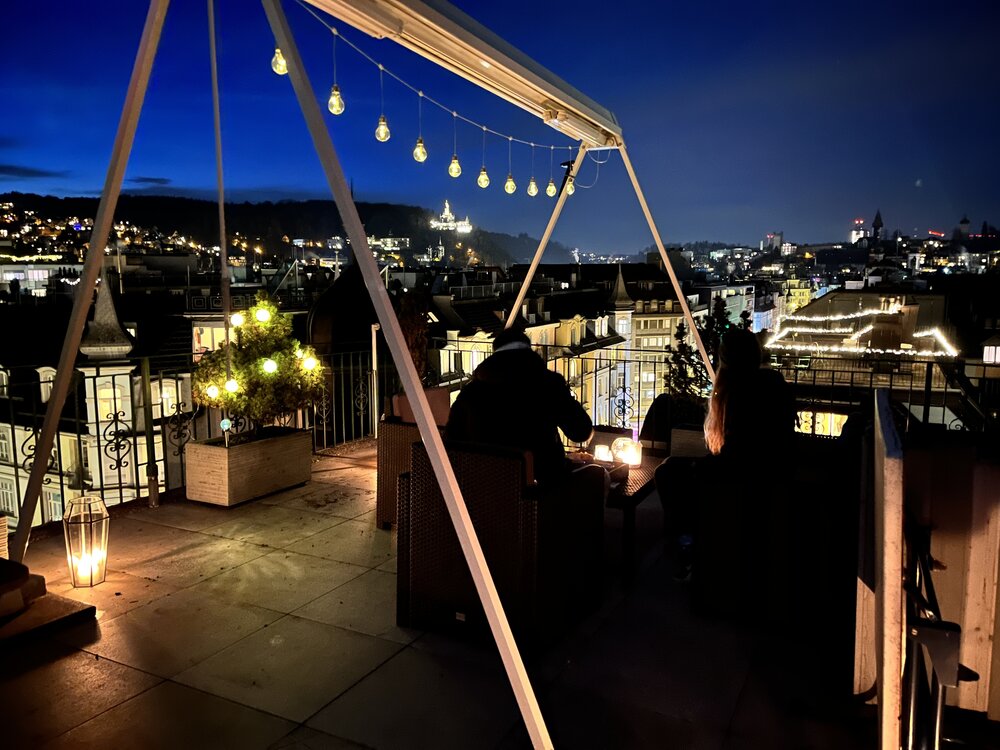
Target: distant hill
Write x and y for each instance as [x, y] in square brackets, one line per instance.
[312, 219]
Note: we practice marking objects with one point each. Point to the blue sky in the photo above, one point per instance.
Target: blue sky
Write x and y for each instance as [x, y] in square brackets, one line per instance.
[740, 118]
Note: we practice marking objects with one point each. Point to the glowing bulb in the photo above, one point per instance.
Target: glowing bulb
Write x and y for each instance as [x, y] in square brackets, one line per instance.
[232, 386]
[237, 319]
[420, 151]
[270, 366]
[226, 424]
[570, 189]
[454, 169]
[336, 102]
[212, 391]
[484, 179]
[278, 64]
[263, 315]
[310, 363]
[510, 186]
[382, 130]
[532, 187]
[550, 190]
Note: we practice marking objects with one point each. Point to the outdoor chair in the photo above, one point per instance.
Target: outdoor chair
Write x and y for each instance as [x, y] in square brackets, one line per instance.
[543, 547]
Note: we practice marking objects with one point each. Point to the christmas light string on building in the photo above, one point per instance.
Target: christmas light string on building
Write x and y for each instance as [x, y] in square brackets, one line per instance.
[279, 66]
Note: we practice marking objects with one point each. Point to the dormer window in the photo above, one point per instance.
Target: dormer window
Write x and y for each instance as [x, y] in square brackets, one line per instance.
[45, 377]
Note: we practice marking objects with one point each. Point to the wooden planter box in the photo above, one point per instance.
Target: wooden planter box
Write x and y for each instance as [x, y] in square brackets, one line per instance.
[229, 476]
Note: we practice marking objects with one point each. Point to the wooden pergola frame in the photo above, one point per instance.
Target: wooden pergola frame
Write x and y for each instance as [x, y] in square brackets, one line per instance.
[443, 34]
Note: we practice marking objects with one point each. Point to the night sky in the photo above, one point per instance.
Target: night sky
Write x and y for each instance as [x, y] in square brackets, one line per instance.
[740, 120]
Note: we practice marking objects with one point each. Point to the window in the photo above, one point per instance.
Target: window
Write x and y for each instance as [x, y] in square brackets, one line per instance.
[164, 392]
[991, 355]
[109, 401]
[8, 502]
[4, 382]
[5, 452]
[45, 377]
[53, 504]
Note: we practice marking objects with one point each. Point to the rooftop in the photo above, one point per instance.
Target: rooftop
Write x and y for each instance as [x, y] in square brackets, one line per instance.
[272, 625]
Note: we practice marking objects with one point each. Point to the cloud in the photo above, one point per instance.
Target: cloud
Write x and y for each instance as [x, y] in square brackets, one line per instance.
[17, 172]
[150, 180]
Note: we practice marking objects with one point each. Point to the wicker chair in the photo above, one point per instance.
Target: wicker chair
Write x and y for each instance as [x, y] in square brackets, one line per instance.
[543, 548]
[394, 440]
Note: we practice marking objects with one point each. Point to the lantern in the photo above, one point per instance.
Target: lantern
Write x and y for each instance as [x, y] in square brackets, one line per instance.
[85, 524]
[627, 451]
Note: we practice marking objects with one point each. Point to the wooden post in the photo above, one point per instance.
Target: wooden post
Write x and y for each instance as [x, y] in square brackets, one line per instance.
[103, 221]
[471, 548]
[560, 202]
[666, 263]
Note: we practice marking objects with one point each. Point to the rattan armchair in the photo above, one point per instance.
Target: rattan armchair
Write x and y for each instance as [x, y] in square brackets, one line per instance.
[543, 548]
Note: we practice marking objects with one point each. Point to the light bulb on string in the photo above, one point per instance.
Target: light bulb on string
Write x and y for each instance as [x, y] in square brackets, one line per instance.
[420, 151]
[262, 315]
[212, 391]
[570, 189]
[310, 363]
[454, 168]
[270, 366]
[484, 179]
[532, 185]
[236, 320]
[509, 186]
[278, 64]
[382, 129]
[550, 189]
[336, 102]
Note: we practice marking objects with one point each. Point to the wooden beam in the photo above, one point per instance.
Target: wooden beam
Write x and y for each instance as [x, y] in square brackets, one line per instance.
[560, 202]
[471, 548]
[103, 222]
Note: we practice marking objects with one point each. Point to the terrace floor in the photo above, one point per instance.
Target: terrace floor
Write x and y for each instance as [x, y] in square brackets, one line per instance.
[272, 625]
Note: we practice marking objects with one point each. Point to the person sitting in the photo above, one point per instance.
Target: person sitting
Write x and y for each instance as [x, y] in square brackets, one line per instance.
[515, 401]
[751, 420]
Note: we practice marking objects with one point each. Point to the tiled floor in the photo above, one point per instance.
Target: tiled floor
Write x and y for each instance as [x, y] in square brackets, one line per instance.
[272, 625]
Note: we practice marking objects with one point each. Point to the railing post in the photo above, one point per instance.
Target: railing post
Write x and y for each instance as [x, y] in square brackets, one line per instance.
[152, 470]
[928, 378]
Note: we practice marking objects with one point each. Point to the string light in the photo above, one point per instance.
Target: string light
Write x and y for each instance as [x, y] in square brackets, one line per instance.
[212, 391]
[237, 320]
[309, 363]
[278, 64]
[262, 315]
[382, 129]
[336, 102]
[232, 386]
[455, 169]
[509, 186]
[270, 366]
[570, 188]
[420, 151]
[550, 189]
[484, 179]
[532, 185]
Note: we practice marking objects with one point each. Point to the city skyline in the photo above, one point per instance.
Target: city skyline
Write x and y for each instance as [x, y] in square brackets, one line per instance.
[801, 127]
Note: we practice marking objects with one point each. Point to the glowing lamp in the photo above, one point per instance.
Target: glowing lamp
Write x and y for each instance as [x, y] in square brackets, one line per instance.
[627, 451]
[237, 319]
[532, 187]
[212, 391]
[278, 64]
[603, 453]
[226, 424]
[570, 188]
[484, 179]
[420, 151]
[454, 169]
[270, 366]
[310, 363]
[550, 189]
[85, 526]
[510, 186]
[382, 130]
[336, 102]
[262, 315]
[232, 386]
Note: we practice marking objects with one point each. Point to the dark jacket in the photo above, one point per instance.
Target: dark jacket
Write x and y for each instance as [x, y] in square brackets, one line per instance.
[515, 401]
[760, 417]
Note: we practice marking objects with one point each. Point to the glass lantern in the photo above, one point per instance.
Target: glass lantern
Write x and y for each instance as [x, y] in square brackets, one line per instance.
[627, 451]
[85, 524]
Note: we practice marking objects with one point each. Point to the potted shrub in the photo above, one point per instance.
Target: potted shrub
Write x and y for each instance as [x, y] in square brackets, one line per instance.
[269, 374]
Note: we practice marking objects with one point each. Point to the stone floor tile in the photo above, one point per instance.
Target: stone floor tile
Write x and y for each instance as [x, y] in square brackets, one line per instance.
[424, 700]
[181, 514]
[271, 525]
[47, 689]
[119, 593]
[282, 580]
[192, 560]
[292, 668]
[47, 557]
[334, 500]
[367, 604]
[173, 633]
[305, 738]
[389, 566]
[172, 716]
[352, 542]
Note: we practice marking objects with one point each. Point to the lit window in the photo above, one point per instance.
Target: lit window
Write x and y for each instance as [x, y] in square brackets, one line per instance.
[8, 503]
[4, 382]
[165, 393]
[5, 451]
[109, 401]
[991, 355]
[45, 377]
[53, 504]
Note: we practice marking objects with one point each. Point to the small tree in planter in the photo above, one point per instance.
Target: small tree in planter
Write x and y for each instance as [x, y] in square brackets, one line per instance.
[686, 381]
[270, 374]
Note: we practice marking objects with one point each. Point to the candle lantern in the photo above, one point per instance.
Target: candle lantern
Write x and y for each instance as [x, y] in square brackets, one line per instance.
[85, 524]
[627, 451]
